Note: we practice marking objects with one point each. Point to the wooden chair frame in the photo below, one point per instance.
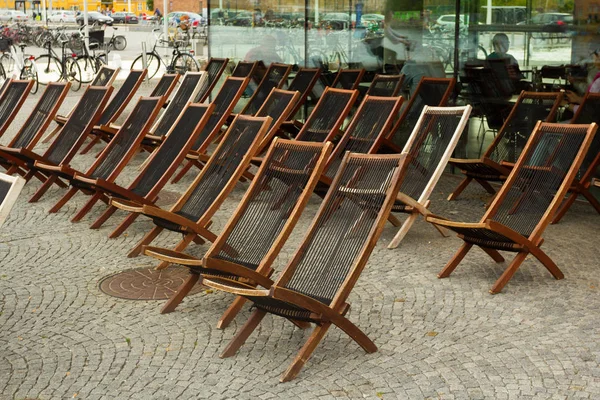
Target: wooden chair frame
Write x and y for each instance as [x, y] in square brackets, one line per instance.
[523, 246]
[112, 76]
[307, 91]
[159, 92]
[357, 81]
[211, 83]
[379, 77]
[252, 64]
[10, 197]
[12, 113]
[257, 92]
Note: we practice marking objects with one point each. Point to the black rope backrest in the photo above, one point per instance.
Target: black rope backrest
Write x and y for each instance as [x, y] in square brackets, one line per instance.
[348, 78]
[11, 97]
[275, 105]
[367, 125]
[385, 85]
[324, 117]
[546, 163]
[432, 138]
[39, 116]
[243, 69]
[177, 104]
[342, 227]
[269, 204]
[169, 149]
[125, 138]
[84, 112]
[122, 95]
[214, 68]
[430, 92]
[273, 79]
[588, 112]
[221, 167]
[485, 92]
[228, 93]
[517, 128]
[104, 76]
[303, 81]
[163, 85]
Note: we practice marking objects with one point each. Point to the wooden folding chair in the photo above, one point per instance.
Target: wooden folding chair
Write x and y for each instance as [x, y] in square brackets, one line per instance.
[192, 213]
[428, 150]
[105, 76]
[10, 187]
[165, 85]
[304, 82]
[315, 285]
[526, 203]
[11, 99]
[272, 206]
[274, 78]
[503, 152]
[112, 160]
[215, 68]
[36, 124]
[588, 112]
[70, 137]
[348, 79]
[244, 69]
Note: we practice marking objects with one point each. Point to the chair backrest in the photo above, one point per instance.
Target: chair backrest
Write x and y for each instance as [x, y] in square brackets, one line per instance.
[344, 232]
[588, 112]
[386, 85]
[10, 187]
[265, 217]
[165, 85]
[220, 174]
[277, 106]
[485, 92]
[244, 69]
[328, 115]
[81, 121]
[303, 82]
[371, 122]
[530, 108]
[348, 79]
[42, 115]
[502, 76]
[125, 93]
[105, 76]
[190, 85]
[126, 142]
[274, 78]
[166, 158]
[224, 102]
[541, 177]
[429, 92]
[430, 146]
[214, 68]
[11, 100]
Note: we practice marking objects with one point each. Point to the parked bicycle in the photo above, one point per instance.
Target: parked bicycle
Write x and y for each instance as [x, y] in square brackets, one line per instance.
[89, 64]
[51, 68]
[180, 62]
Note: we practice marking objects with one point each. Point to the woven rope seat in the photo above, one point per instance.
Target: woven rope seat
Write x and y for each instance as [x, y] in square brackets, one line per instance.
[386, 85]
[214, 68]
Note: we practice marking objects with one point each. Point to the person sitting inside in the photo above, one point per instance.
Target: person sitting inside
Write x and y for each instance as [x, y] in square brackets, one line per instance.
[572, 99]
[265, 52]
[500, 44]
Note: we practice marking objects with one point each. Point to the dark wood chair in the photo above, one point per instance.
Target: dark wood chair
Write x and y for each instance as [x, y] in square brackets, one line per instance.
[224, 103]
[428, 150]
[433, 92]
[215, 68]
[192, 214]
[35, 126]
[166, 84]
[11, 99]
[244, 69]
[10, 187]
[496, 162]
[526, 203]
[274, 78]
[348, 79]
[105, 76]
[109, 164]
[315, 285]
[70, 137]
[272, 205]
[304, 82]
[588, 112]
[386, 85]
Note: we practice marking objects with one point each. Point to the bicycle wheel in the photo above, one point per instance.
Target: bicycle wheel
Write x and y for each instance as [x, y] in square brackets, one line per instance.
[48, 69]
[8, 63]
[119, 43]
[74, 74]
[28, 72]
[153, 64]
[184, 63]
[87, 66]
[2, 73]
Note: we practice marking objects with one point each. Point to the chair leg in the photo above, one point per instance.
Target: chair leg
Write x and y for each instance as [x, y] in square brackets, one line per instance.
[231, 312]
[395, 221]
[87, 148]
[496, 256]
[547, 262]
[87, 207]
[486, 185]
[590, 197]
[443, 231]
[146, 240]
[124, 225]
[564, 207]
[459, 189]
[458, 257]
[403, 231]
[72, 191]
[508, 272]
[187, 239]
[183, 171]
[43, 189]
[183, 290]
[305, 353]
[52, 134]
[240, 338]
[102, 219]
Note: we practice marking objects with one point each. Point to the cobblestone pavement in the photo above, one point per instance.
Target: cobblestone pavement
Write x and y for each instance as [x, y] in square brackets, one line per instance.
[60, 337]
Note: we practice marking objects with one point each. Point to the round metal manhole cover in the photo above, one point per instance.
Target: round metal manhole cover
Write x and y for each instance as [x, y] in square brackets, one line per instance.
[146, 283]
[167, 197]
